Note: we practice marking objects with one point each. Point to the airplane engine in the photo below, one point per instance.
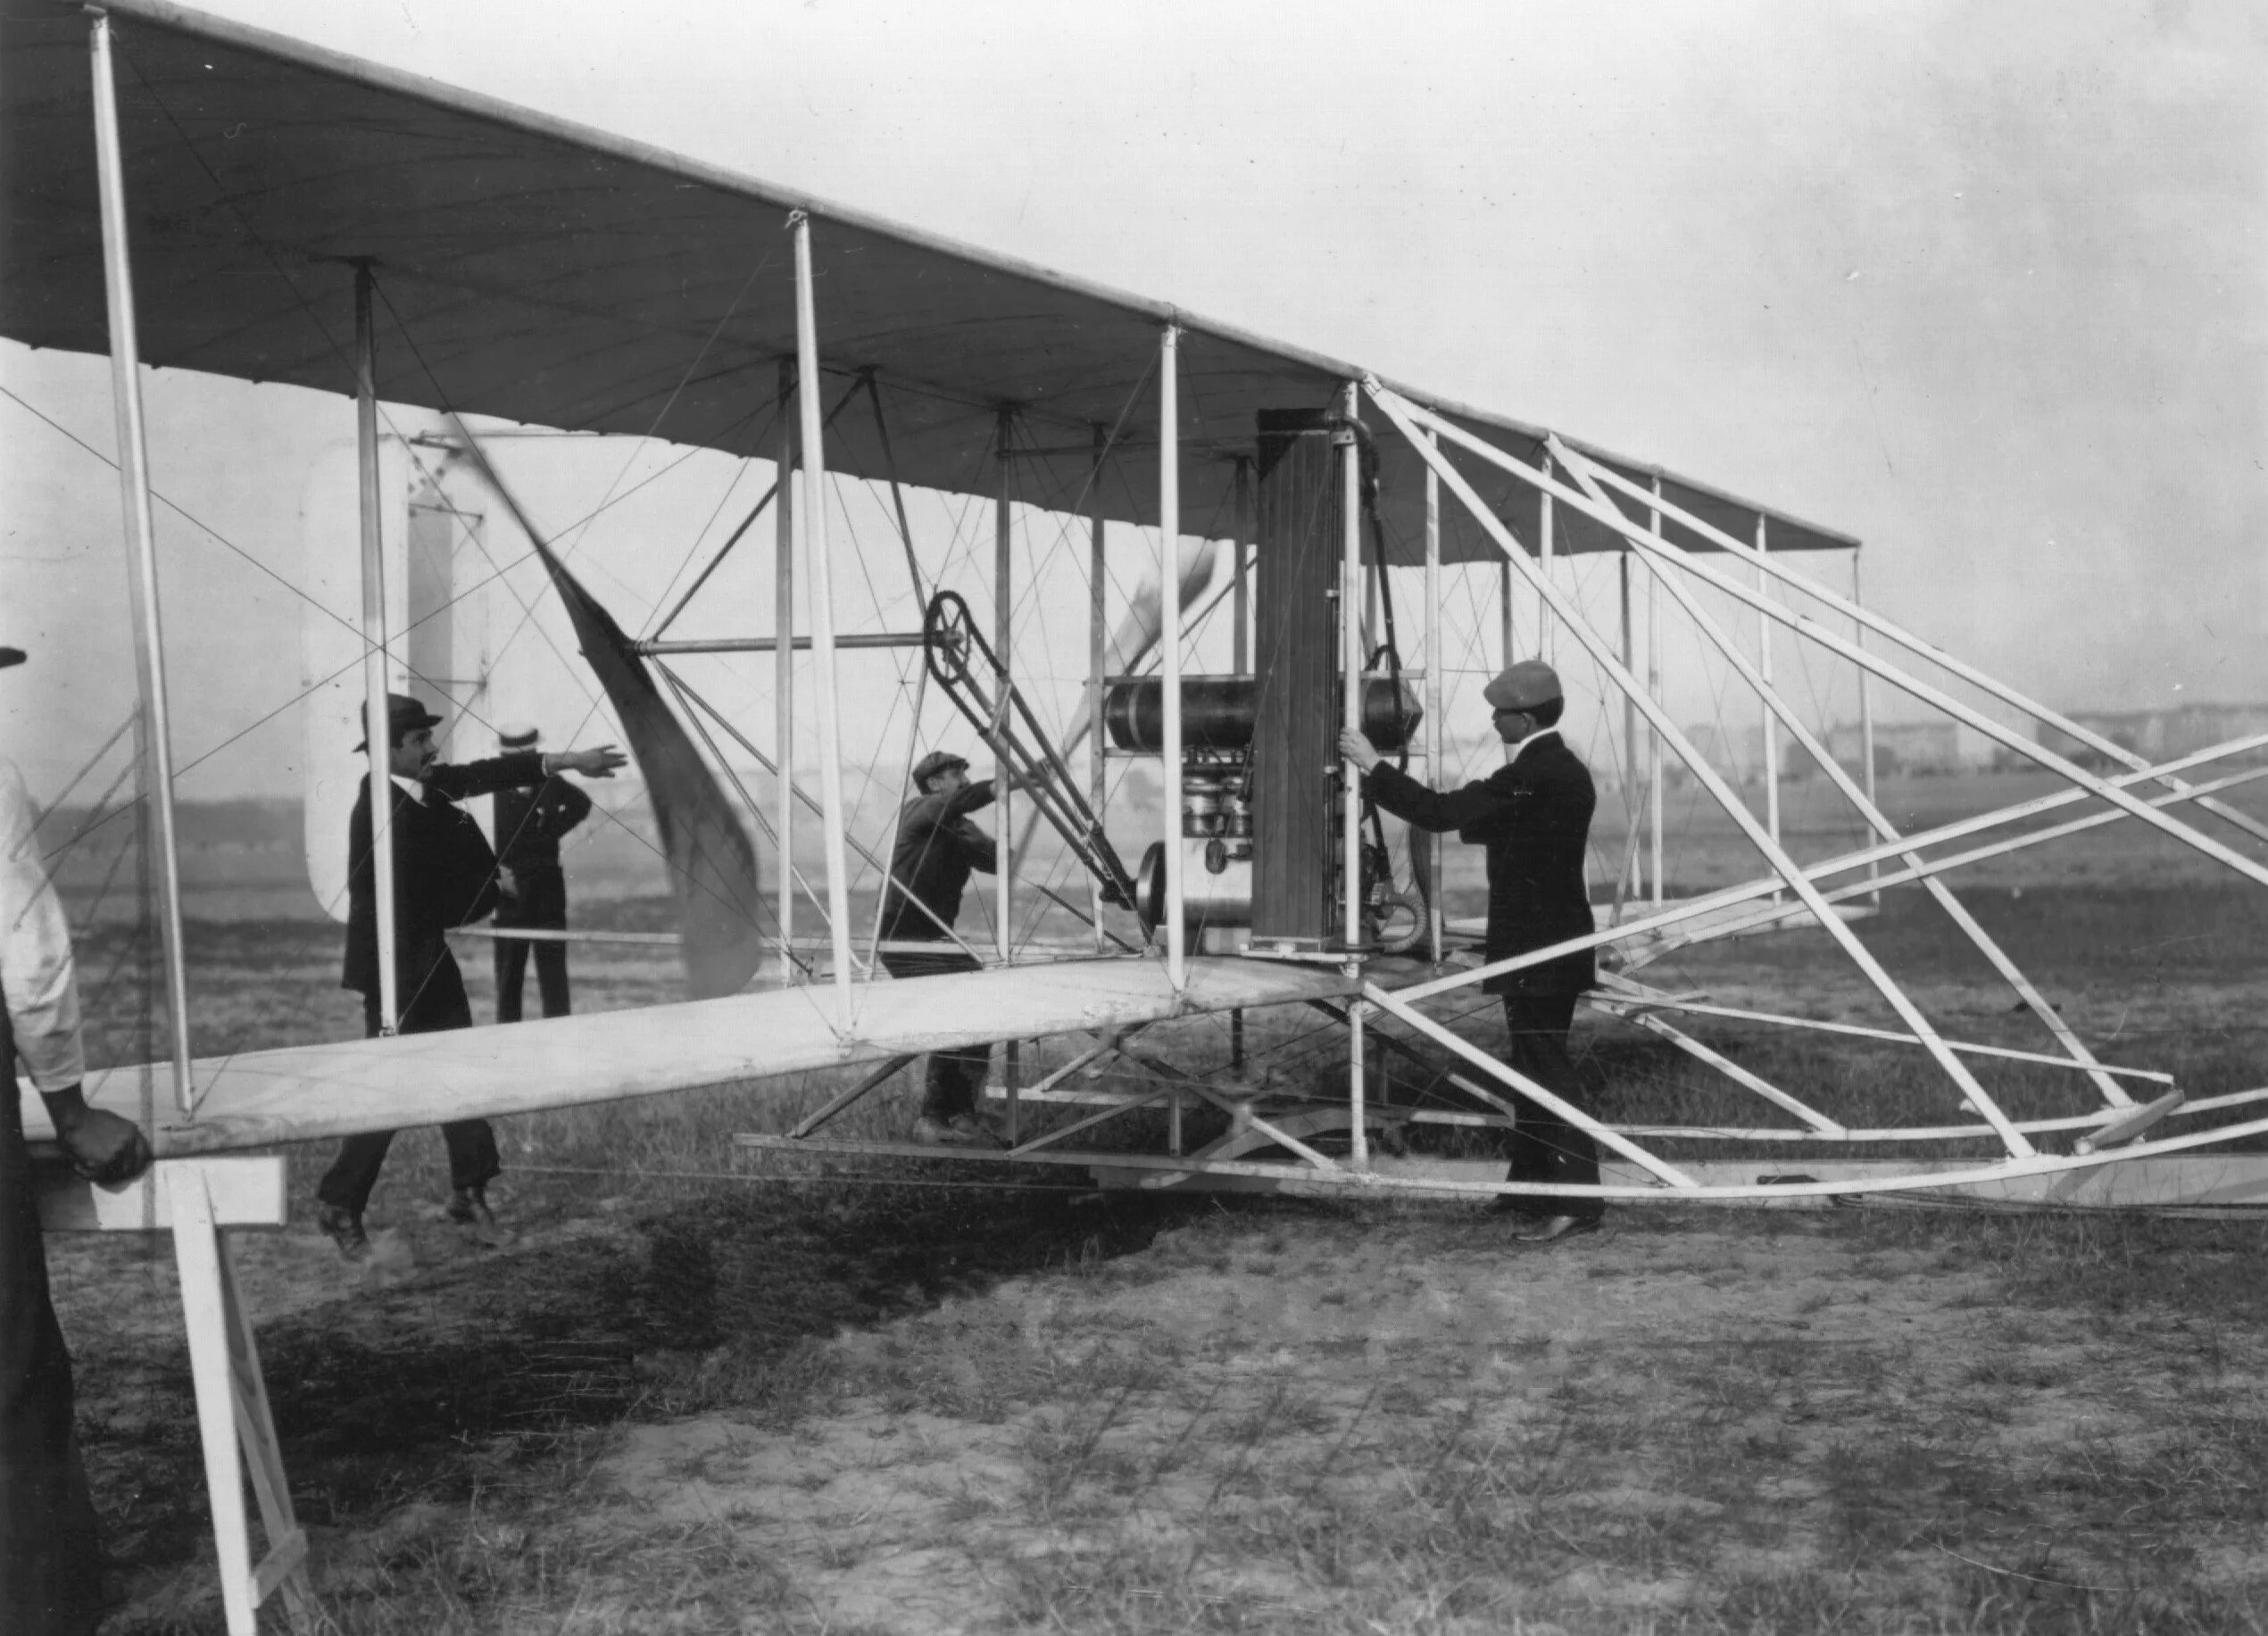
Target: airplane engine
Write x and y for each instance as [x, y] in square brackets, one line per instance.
[1262, 818]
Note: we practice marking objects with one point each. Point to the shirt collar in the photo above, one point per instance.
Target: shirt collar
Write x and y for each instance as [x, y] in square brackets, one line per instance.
[1536, 737]
[412, 787]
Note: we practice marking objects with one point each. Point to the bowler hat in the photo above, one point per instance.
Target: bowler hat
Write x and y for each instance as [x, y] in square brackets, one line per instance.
[517, 735]
[937, 761]
[1523, 686]
[403, 716]
[11, 656]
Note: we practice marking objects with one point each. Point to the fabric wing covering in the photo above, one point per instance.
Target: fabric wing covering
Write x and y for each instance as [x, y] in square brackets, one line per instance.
[712, 862]
[548, 273]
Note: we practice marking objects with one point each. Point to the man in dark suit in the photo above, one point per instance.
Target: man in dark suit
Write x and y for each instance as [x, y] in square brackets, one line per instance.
[531, 821]
[1534, 816]
[936, 850]
[50, 1559]
[445, 875]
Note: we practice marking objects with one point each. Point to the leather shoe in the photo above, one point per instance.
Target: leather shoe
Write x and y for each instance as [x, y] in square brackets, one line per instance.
[959, 1131]
[1550, 1229]
[468, 1207]
[343, 1228]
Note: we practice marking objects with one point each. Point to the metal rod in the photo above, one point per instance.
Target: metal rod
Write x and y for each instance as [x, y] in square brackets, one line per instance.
[1169, 638]
[1097, 658]
[1868, 621]
[770, 644]
[1866, 707]
[1631, 878]
[822, 570]
[1776, 708]
[1834, 643]
[783, 673]
[154, 724]
[1436, 662]
[1783, 866]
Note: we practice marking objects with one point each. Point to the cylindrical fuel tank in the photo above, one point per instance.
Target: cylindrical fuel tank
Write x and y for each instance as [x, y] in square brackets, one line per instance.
[1217, 712]
[1217, 889]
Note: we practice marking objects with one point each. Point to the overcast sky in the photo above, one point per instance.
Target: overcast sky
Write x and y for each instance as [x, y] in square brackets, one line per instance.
[1982, 284]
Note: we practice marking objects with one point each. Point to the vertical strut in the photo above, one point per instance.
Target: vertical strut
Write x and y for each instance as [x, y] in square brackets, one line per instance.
[1004, 643]
[783, 673]
[1240, 606]
[1654, 692]
[1169, 636]
[377, 730]
[813, 516]
[1436, 662]
[1098, 662]
[154, 724]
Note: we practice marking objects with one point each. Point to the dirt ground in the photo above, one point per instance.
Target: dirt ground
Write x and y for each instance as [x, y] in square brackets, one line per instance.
[661, 1400]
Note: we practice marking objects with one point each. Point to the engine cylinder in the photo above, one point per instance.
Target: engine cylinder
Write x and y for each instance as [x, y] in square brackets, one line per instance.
[1217, 713]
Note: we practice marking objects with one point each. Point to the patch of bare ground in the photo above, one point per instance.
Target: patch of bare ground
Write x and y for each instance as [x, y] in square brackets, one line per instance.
[1285, 1416]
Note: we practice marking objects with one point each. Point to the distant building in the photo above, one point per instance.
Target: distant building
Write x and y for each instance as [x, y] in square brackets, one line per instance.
[1914, 748]
[2159, 734]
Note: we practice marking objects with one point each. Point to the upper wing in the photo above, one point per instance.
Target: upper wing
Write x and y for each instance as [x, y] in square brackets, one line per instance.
[552, 273]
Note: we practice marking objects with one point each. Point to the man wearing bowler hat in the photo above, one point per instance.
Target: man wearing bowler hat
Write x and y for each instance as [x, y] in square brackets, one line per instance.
[1534, 816]
[51, 1561]
[936, 850]
[530, 819]
[445, 875]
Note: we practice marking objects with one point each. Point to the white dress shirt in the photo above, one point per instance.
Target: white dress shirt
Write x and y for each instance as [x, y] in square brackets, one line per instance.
[36, 967]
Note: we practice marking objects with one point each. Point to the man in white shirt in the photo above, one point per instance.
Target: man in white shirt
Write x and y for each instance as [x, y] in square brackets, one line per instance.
[50, 1560]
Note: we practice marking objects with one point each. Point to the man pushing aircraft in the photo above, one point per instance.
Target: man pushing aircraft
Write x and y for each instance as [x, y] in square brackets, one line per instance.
[1534, 816]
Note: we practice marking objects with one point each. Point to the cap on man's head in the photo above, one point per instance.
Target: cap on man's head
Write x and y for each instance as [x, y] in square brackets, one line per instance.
[1523, 686]
[517, 735]
[11, 656]
[937, 761]
[403, 716]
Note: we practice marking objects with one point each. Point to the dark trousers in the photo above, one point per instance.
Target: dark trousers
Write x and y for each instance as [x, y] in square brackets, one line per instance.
[1545, 1148]
[436, 1004]
[955, 1077]
[51, 1564]
[543, 905]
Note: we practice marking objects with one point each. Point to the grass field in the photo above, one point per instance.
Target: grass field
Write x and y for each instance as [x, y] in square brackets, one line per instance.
[667, 1398]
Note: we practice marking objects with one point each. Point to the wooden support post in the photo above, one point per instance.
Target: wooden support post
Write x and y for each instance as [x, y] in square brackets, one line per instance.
[1436, 665]
[153, 725]
[1634, 872]
[1764, 669]
[194, 1199]
[1653, 691]
[813, 516]
[1350, 659]
[1546, 550]
[1169, 638]
[1003, 644]
[1098, 661]
[1508, 652]
[1239, 605]
[784, 675]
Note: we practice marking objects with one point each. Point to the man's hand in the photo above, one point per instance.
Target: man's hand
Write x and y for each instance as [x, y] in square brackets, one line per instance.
[104, 1149]
[599, 763]
[1357, 749]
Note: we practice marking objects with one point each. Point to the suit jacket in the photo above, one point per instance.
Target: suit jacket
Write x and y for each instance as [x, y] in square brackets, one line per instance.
[531, 819]
[938, 848]
[445, 874]
[1534, 816]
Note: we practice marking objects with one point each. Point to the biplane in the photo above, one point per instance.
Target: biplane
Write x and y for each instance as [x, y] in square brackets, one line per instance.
[1277, 532]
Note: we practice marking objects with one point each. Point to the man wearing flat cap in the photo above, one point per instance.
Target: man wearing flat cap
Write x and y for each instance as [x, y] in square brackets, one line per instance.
[51, 1560]
[936, 850]
[531, 821]
[445, 875]
[1534, 816]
